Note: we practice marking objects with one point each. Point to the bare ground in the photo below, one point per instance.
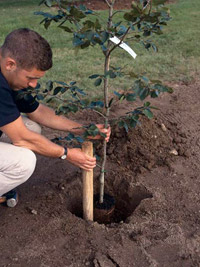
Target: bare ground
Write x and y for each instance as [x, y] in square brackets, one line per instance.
[157, 194]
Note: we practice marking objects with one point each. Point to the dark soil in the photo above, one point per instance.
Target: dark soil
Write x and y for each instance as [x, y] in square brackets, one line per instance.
[101, 4]
[157, 215]
[153, 173]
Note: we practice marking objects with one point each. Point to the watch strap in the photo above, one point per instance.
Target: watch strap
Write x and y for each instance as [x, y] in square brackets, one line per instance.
[64, 156]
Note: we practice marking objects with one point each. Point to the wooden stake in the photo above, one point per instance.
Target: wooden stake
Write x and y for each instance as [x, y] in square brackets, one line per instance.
[87, 148]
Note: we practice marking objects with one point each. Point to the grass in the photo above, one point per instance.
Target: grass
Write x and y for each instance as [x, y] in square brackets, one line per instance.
[178, 57]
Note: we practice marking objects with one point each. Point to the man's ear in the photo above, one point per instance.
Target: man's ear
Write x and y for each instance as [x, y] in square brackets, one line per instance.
[10, 64]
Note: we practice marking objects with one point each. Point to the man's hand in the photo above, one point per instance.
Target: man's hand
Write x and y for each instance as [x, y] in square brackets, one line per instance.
[80, 159]
[107, 131]
[103, 130]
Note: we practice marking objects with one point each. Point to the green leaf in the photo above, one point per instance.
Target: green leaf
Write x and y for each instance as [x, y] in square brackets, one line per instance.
[44, 14]
[117, 94]
[94, 104]
[148, 113]
[130, 97]
[76, 13]
[73, 108]
[144, 93]
[103, 134]
[98, 82]
[82, 7]
[137, 36]
[135, 9]
[94, 76]
[79, 139]
[80, 91]
[41, 2]
[65, 28]
[111, 74]
[122, 30]
[57, 90]
[49, 85]
[104, 48]
[48, 3]
[72, 83]
[85, 44]
[156, 81]
[133, 123]
[77, 41]
[154, 94]
[40, 97]
[37, 86]
[130, 17]
[110, 102]
[97, 25]
[170, 90]
[146, 33]
[62, 83]
[126, 127]
[47, 24]
[104, 36]
[145, 79]
[133, 75]
[69, 137]
[121, 124]
[147, 104]
[89, 35]
[147, 45]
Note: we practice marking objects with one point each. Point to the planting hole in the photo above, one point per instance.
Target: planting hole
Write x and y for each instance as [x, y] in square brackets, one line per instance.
[127, 198]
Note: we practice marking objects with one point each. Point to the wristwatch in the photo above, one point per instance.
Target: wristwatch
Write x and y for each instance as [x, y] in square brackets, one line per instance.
[64, 156]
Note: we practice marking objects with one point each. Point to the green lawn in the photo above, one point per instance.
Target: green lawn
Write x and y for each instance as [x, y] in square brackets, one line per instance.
[178, 57]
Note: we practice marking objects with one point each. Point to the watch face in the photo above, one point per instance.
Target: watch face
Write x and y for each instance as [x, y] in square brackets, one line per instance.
[63, 157]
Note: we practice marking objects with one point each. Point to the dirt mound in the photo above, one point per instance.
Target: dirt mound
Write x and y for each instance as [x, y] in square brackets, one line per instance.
[149, 145]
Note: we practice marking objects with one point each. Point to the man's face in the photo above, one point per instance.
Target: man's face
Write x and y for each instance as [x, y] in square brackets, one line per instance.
[19, 78]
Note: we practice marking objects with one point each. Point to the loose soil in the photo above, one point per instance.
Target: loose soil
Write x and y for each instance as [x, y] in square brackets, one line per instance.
[101, 4]
[157, 215]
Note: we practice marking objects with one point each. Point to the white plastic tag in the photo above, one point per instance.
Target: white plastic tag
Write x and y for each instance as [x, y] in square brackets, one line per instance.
[116, 40]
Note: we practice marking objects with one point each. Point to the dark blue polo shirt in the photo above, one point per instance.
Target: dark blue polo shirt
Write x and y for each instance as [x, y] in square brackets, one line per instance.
[11, 104]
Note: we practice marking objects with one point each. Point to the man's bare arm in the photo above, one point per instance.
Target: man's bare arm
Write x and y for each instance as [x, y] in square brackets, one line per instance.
[47, 117]
[23, 137]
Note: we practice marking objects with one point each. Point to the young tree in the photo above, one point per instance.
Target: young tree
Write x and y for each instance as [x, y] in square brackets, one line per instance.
[139, 24]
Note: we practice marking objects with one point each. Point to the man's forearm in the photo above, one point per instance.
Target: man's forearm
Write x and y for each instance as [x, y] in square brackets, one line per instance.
[43, 146]
[40, 145]
[47, 117]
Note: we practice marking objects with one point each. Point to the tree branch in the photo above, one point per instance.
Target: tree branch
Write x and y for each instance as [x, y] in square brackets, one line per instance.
[107, 2]
[148, 2]
[101, 114]
[118, 11]
[123, 37]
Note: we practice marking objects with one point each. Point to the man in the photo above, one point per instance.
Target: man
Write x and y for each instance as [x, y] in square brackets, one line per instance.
[24, 58]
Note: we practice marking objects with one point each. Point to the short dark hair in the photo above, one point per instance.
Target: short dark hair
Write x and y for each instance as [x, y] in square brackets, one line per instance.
[28, 49]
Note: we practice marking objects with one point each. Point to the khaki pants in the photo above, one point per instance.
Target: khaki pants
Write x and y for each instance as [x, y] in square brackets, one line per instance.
[16, 163]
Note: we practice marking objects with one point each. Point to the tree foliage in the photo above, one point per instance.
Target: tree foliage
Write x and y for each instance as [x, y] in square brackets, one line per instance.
[145, 19]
